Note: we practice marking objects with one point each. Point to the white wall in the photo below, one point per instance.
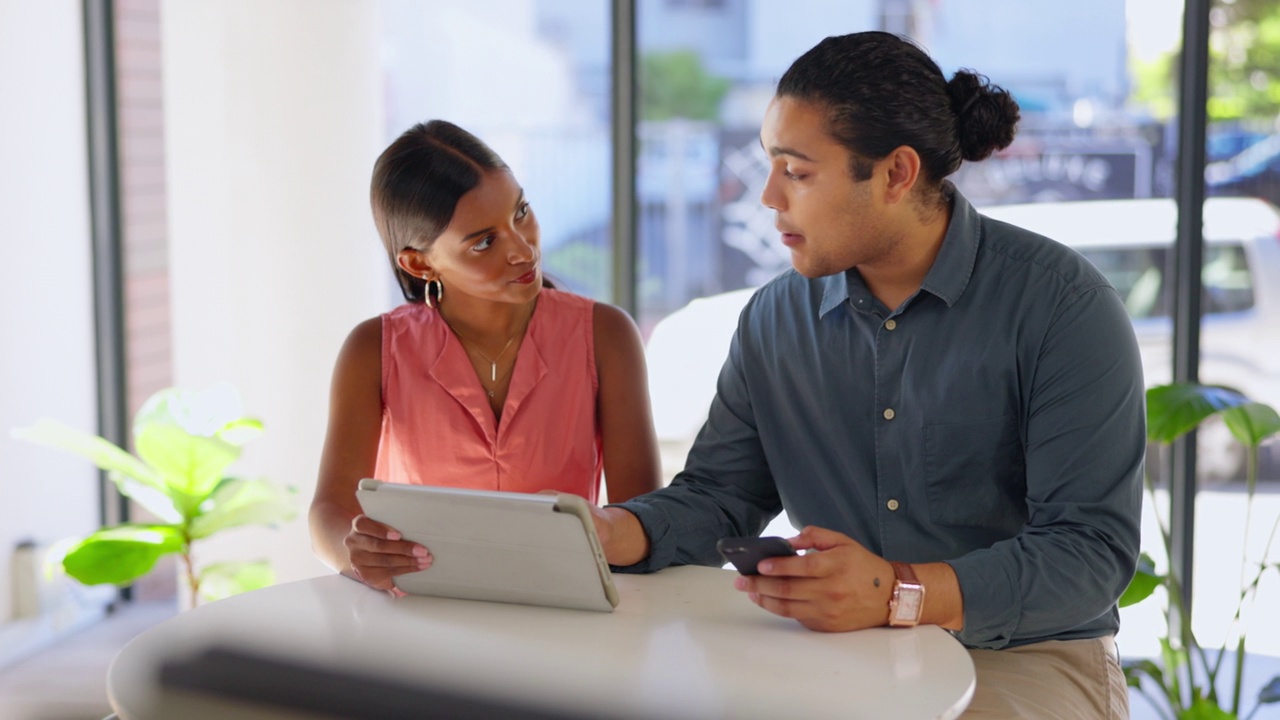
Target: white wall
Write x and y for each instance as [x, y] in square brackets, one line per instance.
[273, 118]
[46, 322]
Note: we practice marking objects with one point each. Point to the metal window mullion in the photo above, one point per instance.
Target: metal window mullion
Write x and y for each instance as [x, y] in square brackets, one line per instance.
[108, 265]
[623, 125]
[1188, 262]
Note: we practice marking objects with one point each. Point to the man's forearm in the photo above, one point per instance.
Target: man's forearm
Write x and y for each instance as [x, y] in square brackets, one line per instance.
[622, 536]
[943, 603]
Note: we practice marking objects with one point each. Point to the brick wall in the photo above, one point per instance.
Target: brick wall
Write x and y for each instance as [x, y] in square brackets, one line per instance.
[149, 362]
[140, 124]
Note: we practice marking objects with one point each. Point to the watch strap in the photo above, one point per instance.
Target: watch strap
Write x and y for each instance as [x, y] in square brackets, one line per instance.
[904, 573]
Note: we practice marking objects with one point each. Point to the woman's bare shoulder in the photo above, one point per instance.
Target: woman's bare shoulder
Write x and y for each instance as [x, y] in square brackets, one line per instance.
[363, 347]
[612, 323]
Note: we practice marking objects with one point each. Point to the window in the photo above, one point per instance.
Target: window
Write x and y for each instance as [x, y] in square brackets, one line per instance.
[1087, 134]
[1138, 274]
[532, 81]
[1228, 284]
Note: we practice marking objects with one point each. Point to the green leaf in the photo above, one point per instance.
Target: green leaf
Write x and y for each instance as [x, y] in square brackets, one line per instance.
[1204, 709]
[191, 465]
[222, 580]
[240, 431]
[1175, 658]
[201, 413]
[243, 502]
[100, 452]
[121, 554]
[134, 478]
[1271, 692]
[1173, 410]
[1135, 669]
[162, 408]
[1252, 422]
[1145, 581]
[156, 501]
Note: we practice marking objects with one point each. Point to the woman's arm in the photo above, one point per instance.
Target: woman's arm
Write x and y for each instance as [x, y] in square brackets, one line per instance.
[631, 464]
[341, 536]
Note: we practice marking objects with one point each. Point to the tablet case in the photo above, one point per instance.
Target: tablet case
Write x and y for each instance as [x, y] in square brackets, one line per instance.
[497, 546]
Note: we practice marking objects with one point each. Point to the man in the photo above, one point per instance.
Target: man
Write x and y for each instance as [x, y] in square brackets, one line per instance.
[929, 388]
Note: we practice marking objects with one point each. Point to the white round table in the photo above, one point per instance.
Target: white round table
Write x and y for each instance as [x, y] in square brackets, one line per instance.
[682, 643]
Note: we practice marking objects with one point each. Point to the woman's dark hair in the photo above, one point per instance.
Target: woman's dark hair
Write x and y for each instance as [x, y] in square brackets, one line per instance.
[881, 92]
[417, 182]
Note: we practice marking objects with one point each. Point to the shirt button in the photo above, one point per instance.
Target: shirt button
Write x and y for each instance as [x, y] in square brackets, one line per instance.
[890, 324]
[888, 413]
[892, 504]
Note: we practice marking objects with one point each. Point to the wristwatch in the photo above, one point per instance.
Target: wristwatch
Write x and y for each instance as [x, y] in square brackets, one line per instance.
[907, 603]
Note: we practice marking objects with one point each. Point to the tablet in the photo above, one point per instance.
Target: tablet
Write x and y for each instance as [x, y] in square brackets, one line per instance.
[497, 546]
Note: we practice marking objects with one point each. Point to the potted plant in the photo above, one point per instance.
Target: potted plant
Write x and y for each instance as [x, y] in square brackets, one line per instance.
[1184, 683]
[185, 443]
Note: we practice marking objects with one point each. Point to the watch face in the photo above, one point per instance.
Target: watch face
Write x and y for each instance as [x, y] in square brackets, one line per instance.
[908, 604]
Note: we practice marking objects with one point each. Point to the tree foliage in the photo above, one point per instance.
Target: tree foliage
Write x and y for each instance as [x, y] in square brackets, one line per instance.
[1244, 60]
[675, 85]
[1244, 67]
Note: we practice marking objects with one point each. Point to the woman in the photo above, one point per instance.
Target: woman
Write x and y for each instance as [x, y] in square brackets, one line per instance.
[487, 377]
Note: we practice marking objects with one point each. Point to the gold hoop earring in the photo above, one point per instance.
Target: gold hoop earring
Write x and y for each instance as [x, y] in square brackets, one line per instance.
[439, 292]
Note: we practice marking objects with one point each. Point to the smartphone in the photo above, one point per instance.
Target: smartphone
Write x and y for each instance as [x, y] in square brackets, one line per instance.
[746, 552]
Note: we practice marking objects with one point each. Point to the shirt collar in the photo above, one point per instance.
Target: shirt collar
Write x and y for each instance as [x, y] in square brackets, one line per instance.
[835, 290]
[951, 270]
[953, 267]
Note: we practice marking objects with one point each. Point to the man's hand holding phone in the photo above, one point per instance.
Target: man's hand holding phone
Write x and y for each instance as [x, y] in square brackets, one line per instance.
[745, 553]
[837, 585]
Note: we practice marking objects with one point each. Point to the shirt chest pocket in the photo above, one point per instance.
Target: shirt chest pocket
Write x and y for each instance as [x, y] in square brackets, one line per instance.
[975, 474]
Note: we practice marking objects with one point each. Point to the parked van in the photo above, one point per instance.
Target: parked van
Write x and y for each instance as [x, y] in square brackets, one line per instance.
[1131, 242]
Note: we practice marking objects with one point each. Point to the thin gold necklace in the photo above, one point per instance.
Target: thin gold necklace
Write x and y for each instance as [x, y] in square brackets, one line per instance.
[468, 344]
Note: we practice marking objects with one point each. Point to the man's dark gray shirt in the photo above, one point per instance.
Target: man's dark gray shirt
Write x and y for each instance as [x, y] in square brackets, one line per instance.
[994, 421]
